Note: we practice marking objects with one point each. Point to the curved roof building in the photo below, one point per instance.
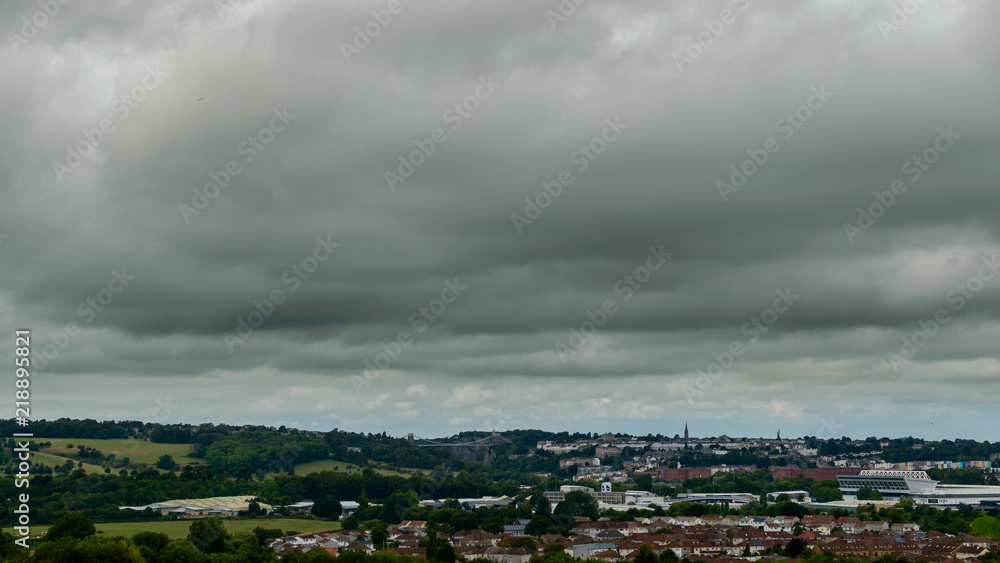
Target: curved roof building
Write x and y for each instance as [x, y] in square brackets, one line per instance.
[919, 486]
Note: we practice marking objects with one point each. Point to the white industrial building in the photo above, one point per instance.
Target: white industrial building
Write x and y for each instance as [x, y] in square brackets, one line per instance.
[919, 486]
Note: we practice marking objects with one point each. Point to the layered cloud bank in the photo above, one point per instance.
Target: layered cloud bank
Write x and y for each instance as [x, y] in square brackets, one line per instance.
[428, 216]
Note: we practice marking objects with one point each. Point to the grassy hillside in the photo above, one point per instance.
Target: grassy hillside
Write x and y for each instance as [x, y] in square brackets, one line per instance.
[138, 451]
[49, 460]
[177, 529]
[141, 451]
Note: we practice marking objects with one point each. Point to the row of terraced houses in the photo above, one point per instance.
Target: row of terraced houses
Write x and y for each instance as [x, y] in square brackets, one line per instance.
[731, 537]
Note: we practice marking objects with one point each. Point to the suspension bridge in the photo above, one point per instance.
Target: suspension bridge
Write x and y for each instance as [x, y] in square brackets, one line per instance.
[474, 449]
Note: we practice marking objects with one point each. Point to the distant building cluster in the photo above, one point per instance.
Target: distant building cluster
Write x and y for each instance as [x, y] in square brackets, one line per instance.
[789, 458]
[925, 465]
[685, 473]
[579, 462]
[605, 496]
[732, 537]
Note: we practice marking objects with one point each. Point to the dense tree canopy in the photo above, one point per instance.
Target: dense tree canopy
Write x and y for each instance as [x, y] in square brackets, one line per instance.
[577, 503]
[73, 525]
[327, 507]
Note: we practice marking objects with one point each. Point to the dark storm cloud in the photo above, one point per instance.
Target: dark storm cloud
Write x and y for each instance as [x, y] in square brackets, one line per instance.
[185, 90]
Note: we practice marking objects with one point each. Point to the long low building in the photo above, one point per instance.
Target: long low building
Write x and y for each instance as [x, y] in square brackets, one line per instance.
[816, 474]
[201, 507]
[919, 486]
[470, 503]
[734, 500]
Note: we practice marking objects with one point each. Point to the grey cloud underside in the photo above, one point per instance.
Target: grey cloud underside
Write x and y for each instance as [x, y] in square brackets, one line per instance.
[323, 175]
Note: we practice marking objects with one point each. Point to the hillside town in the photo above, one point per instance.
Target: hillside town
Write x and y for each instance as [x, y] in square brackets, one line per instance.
[518, 496]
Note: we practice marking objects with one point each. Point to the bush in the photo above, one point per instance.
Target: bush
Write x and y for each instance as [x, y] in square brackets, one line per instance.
[153, 540]
[73, 525]
[165, 462]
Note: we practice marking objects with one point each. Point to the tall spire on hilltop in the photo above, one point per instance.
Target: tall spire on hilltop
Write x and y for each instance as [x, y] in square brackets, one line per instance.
[779, 434]
[686, 435]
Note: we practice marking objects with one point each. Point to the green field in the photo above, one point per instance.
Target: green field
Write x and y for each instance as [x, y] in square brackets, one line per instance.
[177, 529]
[138, 451]
[345, 467]
[54, 460]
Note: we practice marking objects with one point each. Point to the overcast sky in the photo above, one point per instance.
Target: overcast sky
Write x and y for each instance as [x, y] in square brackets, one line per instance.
[373, 176]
